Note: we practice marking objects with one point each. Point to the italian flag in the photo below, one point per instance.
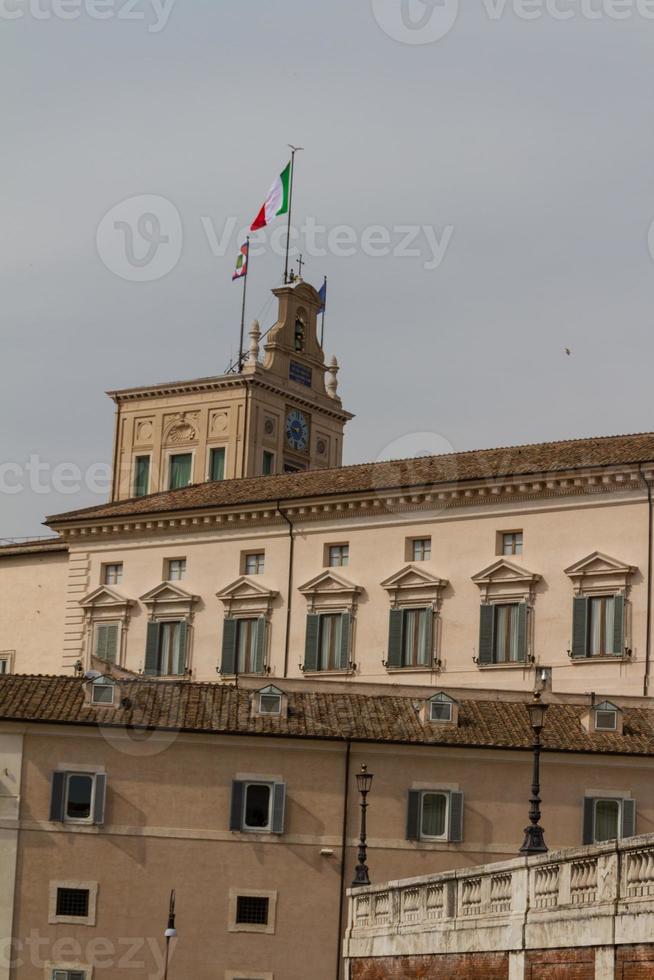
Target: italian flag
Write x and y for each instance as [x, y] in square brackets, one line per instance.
[276, 201]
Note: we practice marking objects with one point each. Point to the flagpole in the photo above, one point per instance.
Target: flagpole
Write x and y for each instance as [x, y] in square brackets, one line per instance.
[294, 150]
[245, 286]
[322, 328]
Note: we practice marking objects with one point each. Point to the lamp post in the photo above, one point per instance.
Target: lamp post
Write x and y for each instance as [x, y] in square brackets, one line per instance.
[171, 931]
[364, 782]
[534, 842]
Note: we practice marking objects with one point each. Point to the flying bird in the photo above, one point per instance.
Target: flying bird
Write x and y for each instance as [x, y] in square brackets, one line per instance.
[568, 351]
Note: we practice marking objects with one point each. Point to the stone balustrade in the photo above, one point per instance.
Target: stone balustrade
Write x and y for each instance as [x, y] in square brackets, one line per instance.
[599, 896]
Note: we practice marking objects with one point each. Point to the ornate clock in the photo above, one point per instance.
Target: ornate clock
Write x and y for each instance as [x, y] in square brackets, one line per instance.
[297, 430]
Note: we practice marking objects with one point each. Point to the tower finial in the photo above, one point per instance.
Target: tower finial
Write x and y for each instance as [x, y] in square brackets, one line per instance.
[255, 336]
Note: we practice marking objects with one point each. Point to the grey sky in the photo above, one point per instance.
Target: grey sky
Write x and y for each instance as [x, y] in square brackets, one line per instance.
[532, 140]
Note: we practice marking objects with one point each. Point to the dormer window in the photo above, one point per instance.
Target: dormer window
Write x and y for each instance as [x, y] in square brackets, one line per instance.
[606, 717]
[270, 701]
[102, 691]
[441, 708]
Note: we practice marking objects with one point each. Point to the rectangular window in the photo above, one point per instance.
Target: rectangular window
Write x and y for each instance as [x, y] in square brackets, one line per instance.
[606, 820]
[507, 634]
[180, 470]
[433, 816]
[601, 625]
[421, 549]
[73, 902]
[251, 910]
[105, 641]
[68, 975]
[338, 555]
[330, 640]
[171, 652]
[78, 806]
[257, 806]
[270, 704]
[112, 574]
[217, 463]
[255, 563]
[141, 476]
[4, 665]
[512, 543]
[440, 711]
[416, 637]
[247, 661]
[103, 691]
[268, 463]
[175, 569]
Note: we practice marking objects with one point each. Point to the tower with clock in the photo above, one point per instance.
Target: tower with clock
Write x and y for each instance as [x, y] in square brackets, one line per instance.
[280, 413]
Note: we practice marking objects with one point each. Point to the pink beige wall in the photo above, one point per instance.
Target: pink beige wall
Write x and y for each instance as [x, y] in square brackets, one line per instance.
[32, 600]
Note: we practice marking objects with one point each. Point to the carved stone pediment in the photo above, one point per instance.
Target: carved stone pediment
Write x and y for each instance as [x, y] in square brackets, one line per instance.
[245, 595]
[411, 585]
[168, 599]
[505, 581]
[105, 598]
[598, 572]
[330, 591]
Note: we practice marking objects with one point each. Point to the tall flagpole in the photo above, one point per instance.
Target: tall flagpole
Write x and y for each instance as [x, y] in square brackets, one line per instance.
[294, 150]
[245, 286]
[324, 307]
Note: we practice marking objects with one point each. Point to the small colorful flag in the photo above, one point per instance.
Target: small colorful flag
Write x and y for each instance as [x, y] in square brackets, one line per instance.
[276, 201]
[322, 292]
[241, 263]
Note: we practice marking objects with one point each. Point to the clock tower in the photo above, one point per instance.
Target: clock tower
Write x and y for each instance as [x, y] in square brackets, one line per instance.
[280, 414]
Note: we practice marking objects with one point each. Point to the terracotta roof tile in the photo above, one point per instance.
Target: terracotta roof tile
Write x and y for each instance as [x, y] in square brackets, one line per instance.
[482, 464]
[221, 709]
[31, 546]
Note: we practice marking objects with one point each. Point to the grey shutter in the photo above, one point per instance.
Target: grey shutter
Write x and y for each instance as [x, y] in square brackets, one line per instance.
[429, 637]
[106, 647]
[618, 625]
[311, 642]
[413, 815]
[628, 828]
[579, 627]
[152, 649]
[456, 817]
[260, 645]
[523, 614]
[180, 666]
[486, 634]
[236, 809]
[589, 807]
[346, 639]
[57, 796]
[228, 660]
[395, 638]
[279, 806]
[100, 798]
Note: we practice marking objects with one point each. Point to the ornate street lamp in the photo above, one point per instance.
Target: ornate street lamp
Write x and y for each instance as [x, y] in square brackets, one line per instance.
[364, 782]
[171, 931]
[534, 842]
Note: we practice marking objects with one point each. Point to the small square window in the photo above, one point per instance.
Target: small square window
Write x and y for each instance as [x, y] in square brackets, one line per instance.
[73, 902]
[257, 806]
[270, 704]
[440, 711]
[255, 563]
[112, 574]
[251, 910]
[176, 569]
[511, 543]
[338, 555]
[102, 691]
[421, 549]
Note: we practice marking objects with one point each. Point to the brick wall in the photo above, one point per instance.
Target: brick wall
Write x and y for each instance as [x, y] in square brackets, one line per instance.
[634, 963]
[560, 964]
[474, 966]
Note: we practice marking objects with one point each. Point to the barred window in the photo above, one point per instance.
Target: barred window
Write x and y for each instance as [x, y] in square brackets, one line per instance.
[73, 902]
[251, 910]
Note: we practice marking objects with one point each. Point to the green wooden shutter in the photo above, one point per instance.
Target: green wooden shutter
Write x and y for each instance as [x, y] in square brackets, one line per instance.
[580, 627]
[100, 798]
[395, 638]
[618, 625]
[413, 815]
[523, 619]
[279, 808]
[106, 642]
[180, 666]
[228, 658]
[236, 807]
[259, 645]
[57, 796]
[346, 641]
[312, 641]
[455, 832]
[628, 828]
[486, 634]
[428, 651]
[589, 808]
[152, 649]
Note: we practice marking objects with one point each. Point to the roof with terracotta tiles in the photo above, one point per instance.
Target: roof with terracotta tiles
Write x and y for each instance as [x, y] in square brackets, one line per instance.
[221, 709]
[423, 471]
[28, 546]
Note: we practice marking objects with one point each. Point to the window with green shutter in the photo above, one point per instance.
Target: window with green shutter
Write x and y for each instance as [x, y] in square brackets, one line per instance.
[598, 626]
[328, 637]
[180, 470]
[434, 815]
[105, 646]
[410, 638]
[166, 647]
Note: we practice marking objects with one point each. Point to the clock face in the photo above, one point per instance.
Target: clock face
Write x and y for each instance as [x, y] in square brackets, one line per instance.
[297, 430]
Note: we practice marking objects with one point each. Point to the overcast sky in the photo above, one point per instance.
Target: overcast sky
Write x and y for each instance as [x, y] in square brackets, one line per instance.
[524, 147]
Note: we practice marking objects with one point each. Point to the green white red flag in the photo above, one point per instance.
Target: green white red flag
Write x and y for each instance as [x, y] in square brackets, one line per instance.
[242, 262]
[276, 202]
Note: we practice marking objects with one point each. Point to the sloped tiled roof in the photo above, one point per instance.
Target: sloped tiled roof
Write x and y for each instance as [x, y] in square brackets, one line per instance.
[33, 546]
[482, 464]
[221, 709]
